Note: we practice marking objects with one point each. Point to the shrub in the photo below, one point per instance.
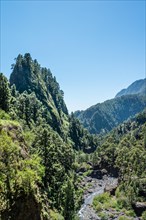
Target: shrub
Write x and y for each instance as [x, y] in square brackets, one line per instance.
[130, 213]
[122, 202]
[4, 115]
[123, 218]
[98, 207]
[55, 215]
[103, 216]
[105, 197]
[144, 215]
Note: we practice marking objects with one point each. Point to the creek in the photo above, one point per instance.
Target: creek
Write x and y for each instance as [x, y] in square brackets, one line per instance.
[86, 211]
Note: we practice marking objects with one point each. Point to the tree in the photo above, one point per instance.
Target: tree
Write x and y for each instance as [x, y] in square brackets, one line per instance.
[69, 206]
[17, 174]
[4, 93]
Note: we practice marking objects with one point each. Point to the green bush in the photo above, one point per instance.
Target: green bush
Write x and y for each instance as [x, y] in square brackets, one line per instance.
[144, 215]
[130, 213]
[103, 216]
[4, 115]
[123, 218]
[122, 202]
[105, 197]
[98, 207]
[55, 215]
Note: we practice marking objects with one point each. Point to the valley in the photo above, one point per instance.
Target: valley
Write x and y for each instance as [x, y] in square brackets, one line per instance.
[84, 165]
[97, 187]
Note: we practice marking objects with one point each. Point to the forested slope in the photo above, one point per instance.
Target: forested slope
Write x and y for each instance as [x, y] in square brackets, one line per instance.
[44, 150]
[103, 117]
[137, 87]
[124, 151]
[38, 145]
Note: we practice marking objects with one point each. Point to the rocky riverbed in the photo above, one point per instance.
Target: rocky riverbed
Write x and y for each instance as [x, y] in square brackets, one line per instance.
[97, 187]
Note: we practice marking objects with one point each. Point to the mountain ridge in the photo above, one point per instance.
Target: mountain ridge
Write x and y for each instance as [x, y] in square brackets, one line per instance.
[103, 117]
[138, 86]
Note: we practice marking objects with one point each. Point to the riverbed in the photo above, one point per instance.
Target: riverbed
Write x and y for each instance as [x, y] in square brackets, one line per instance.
[97, 187]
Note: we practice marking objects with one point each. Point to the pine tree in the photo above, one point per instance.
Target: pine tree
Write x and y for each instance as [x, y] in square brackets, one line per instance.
[69, 201]
[4, 93]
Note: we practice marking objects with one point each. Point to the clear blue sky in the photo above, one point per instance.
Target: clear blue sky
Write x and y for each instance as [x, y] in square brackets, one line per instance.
[94, 48]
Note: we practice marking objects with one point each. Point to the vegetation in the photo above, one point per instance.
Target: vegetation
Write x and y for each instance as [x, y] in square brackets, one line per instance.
[5, 93]
[124, 149]
[102, 118]
[20, 174]
[138, 87]
[38, 145]
[43, 149]
[107, 205]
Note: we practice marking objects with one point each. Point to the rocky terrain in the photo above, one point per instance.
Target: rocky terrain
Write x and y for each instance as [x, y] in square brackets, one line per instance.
[96, 187]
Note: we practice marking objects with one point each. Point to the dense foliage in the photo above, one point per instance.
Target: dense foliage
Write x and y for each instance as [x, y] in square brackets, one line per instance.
[28, 76]
[39, 143]
[43, 148]
[4, 93]
[124, 149]
[103, 117]
[20, 173]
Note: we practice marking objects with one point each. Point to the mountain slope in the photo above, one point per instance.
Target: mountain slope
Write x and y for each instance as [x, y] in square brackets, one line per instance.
[37, 95]
[20, 173]
[103, 117]
[39, 142]
[29, 76]
[137, 87]
[124, 149]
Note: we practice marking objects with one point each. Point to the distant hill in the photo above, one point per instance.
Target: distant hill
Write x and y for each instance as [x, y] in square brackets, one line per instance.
[137, 87]
[103, 117]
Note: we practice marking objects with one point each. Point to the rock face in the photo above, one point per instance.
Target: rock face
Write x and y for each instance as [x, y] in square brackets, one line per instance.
[25, 208]
[111, 188]
[139, 208]
[96, 174]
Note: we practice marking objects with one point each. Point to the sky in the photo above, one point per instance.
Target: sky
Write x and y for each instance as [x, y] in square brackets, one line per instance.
[94, 48]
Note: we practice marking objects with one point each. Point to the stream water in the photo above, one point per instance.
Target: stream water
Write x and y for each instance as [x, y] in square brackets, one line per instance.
[87, 212]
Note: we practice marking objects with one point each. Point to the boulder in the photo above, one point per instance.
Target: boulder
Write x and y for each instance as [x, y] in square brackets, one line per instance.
[96, 174]
[24, 208]
[111, 188]
[139, 208]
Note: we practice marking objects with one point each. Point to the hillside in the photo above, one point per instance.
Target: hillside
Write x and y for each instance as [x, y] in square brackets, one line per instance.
[103, 117]
[136, 87]
[39, 142]
[20, 173]
[37, 98]
[29, 76]
[48, 159]
[124, 150]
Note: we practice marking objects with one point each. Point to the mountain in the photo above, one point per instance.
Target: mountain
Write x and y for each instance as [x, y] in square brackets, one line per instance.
[39, 143]
[136, 87]
[29, 76]
[39, 93]
[45, 153]
[103, 117]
